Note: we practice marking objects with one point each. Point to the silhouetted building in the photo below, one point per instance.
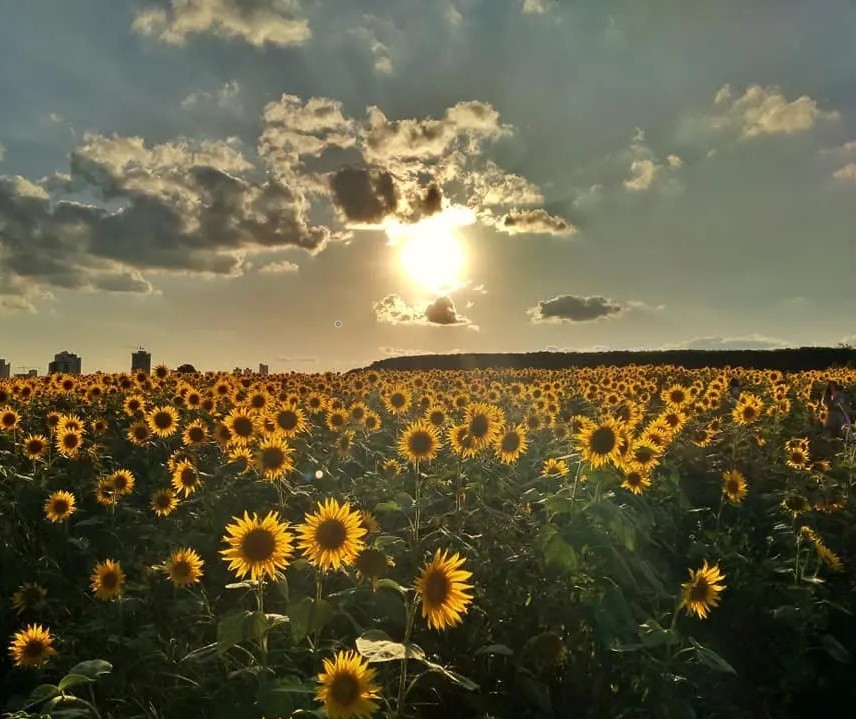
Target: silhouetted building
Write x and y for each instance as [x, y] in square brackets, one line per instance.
[65, 362]
[32, 372]
[141, 361]
[263, 369]
[5, 369]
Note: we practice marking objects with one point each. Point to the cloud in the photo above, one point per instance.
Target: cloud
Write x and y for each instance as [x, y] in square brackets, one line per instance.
[848, 172]
[257, 22]
[371, 33]
[645, 169]
[393, 310]
[536, 7]
[574, 308]
[291, 358]
[226, 97]
[364, 196]
[754, 341]
[279, 267]
[765, 111]
[536, 222]
[2, 152]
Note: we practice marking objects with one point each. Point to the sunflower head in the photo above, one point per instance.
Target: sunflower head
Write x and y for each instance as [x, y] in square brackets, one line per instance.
[702, 592]
[420, 442]
[163, 501]
[184, 567]
[31, 646]
[347, 687]
[442, 585]
[258, 547]
[108, 580]
[29, 597]
[734, 486]
[332, 537]
[59, 506]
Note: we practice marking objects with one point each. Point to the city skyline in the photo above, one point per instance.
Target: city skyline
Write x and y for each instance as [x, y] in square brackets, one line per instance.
[317, 188]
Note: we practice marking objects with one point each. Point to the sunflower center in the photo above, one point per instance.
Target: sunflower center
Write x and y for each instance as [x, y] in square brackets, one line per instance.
[603, 440]
[258, 545]
[479, 426]
[257, 401]
[437, 588]
[109, 579]
[243, 427]
[733, 486]
[337, 420]
[60, 506]
[35, 446]
[397, 400]
[437, 418]
[9, 420]
[33, 649]
[141, 432]
[358, 413]
[420, 443]
[163, 420]
[699, 591]
[188, 477]
[162, 501]
[331, 534]
[511, 442]
[287, 420]
[181, 569]
[120, 482]
[70, 440]
[634, 479]
[345, 690]
[272, 457]
[196, 434]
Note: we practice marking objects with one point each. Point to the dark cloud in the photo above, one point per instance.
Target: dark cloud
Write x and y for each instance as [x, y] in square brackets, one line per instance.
[432, 200]
[393, 310]
[536, 222]
[572, 308]
[364, 196]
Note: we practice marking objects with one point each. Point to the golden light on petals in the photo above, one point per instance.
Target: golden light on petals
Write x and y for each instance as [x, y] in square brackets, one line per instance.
[442, 586]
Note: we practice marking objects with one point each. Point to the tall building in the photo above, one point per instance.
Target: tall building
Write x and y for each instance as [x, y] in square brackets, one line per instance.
[65, 362]
[5, 369]
[141, 361]
[263, 369]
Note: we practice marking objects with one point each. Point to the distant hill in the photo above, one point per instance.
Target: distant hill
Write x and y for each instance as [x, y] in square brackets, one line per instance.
[791, 359]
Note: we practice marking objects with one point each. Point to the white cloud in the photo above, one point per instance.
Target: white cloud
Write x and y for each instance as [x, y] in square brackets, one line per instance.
[753, 341]
[2, 152]
[226, 97]
[279, 267]
[848, 172]
[766, 111]
[373, 33]
[536, 7]
[645, 169]
[257, 22]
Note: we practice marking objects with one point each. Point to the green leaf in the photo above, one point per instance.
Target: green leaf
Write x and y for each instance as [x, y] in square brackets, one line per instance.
[835, 649]
[242, 585]
[41, 694]
[239, 627]
[377, 646]
[92, 668]
[499, 649]
[711, 659]
[403, 500]
[559, 505]
[382, 507]
[557, 552]
[387, 583]
[73, 680]
[306, 617]
[653, 635]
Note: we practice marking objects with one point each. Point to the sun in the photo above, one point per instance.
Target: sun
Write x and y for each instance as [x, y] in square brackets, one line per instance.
[430, 253]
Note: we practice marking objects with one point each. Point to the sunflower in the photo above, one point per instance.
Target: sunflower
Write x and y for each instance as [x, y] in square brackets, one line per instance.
[371, 564]
[105, 492]
[599, 443]
[436, 415]
[9, 419]
[184, 567]
[242, 425]
[344, 443]
[796, 504]
[163, 501]
[185, 478]
[636, 481]
[332, 537]
[357, 412]
[194, 433]
[747, 410]
[461, 442]
[397, 401]
[31, 646]
[797, 457]
[419, 442]
[510, 445]
[68, 442]
[258, 547]
[675, 396]
[830, 558]
[273, 458]
[108, 580]
[163, 421]
[289, 420]
[139, 433]
[444, 591]
[35, 445]
[372, 421]
[734, 485]
[554, 466]
[369, 522]
[335, 419]
[123, 481]
[133, 405]
[701, 593]
[29, 597]
[242, 458]
[347, 687]
[99, 425]
[59, 506]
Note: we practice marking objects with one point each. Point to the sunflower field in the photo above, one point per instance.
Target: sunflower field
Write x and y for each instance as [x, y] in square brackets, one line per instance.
[643, 541]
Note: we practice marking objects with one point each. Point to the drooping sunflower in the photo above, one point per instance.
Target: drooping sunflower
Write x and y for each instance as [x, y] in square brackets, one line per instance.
[163, 420]
[734, 485]
[461, 442]
[419, 442]
[59, 506]
[105, 492]
[184, 567]
[702, 592]
[599, 443]
[258, 547]
[108, 580]
[31, 646]
[34, 446]
[273, 457]
[553, 466]
[830, 558]
[163, 501]
[347, 687]
[511, 444]
[442, 585]
[242, 458]
[332, 537]
[29, 597]
[371, 565]
[185, 478]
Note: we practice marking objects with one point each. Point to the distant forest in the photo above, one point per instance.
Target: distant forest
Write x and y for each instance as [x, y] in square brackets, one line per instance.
[787, 360]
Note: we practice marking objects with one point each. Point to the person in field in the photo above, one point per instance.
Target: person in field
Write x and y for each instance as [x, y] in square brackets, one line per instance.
[839, 413]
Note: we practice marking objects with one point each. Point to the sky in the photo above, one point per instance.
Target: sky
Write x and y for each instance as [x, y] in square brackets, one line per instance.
[317, 184]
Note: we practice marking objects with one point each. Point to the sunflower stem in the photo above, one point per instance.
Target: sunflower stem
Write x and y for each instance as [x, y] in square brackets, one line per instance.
[319, 583]
[410, 608]
[260, 602]
[418, 511]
